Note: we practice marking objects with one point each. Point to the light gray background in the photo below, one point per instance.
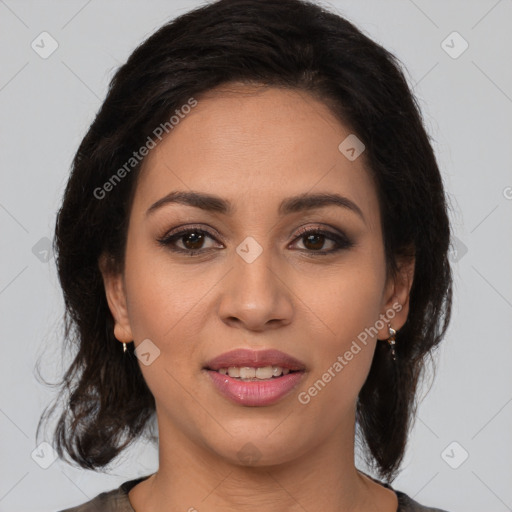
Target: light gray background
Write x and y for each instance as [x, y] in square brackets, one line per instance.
[47, 105]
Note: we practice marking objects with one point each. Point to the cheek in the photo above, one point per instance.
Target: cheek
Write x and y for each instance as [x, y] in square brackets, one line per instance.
[346, 307]
[166, 302]
[346, 300]
[164, 306]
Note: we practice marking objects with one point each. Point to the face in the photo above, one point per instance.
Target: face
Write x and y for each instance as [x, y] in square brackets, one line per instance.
[251, 272]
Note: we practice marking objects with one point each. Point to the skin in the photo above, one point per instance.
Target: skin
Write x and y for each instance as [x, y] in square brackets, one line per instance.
[255, 146]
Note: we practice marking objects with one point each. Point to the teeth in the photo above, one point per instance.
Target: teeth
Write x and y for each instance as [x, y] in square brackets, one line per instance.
[233, 371]
[264, 373]
[248, 373]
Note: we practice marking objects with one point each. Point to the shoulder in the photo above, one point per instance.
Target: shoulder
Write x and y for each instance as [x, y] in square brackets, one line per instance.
[407, 504]
[111, 501]
[115, 500]
[105, 502]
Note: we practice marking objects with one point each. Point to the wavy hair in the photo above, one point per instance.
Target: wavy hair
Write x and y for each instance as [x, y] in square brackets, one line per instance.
[283, 43]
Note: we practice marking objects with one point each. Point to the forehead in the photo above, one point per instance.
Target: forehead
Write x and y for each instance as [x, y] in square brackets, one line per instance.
[254, 146]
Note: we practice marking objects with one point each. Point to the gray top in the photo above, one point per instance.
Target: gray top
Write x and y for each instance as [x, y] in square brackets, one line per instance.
[117, 500]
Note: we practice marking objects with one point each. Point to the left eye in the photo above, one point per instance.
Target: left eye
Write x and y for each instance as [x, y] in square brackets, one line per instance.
[314, 239]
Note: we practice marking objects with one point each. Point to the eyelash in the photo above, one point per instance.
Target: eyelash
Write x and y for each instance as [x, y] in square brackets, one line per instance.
[342, 242]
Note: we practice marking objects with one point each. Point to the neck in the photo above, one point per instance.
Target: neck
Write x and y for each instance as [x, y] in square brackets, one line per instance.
[193, 478]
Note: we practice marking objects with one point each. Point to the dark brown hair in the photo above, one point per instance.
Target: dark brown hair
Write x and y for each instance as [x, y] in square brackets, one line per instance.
[284, 43]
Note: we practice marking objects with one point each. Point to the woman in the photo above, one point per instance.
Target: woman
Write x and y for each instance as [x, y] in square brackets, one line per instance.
[253, 248]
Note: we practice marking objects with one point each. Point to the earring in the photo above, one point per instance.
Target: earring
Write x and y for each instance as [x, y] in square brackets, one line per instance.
[124, 346]
[392, 341]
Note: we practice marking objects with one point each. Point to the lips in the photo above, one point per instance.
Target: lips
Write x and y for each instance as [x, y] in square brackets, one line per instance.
[255, 359]
[287, 373]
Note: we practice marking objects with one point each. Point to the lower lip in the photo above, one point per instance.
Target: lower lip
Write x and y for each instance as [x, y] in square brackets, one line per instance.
[255, 393]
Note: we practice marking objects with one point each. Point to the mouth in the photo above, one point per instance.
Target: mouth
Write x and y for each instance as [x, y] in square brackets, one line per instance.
[255, 378]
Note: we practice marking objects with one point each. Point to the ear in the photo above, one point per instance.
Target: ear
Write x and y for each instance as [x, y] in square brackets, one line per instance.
[395, 307]
[116, 298]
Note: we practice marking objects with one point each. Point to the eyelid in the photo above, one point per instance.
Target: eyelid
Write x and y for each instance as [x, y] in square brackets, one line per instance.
[206, 229]
[319, 227]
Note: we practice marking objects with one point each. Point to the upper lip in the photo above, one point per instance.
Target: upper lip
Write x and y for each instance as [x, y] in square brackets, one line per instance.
[254, 359]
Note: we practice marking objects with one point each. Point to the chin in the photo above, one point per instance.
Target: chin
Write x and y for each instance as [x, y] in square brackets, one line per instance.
[259, 450]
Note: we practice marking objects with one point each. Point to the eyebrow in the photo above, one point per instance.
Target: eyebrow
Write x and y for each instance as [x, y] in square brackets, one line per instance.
[216, 204]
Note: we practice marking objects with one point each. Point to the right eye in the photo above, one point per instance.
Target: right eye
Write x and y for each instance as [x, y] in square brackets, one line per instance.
[192, 240]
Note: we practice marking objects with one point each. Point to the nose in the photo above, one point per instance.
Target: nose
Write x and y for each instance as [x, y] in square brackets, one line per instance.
[256, 295]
